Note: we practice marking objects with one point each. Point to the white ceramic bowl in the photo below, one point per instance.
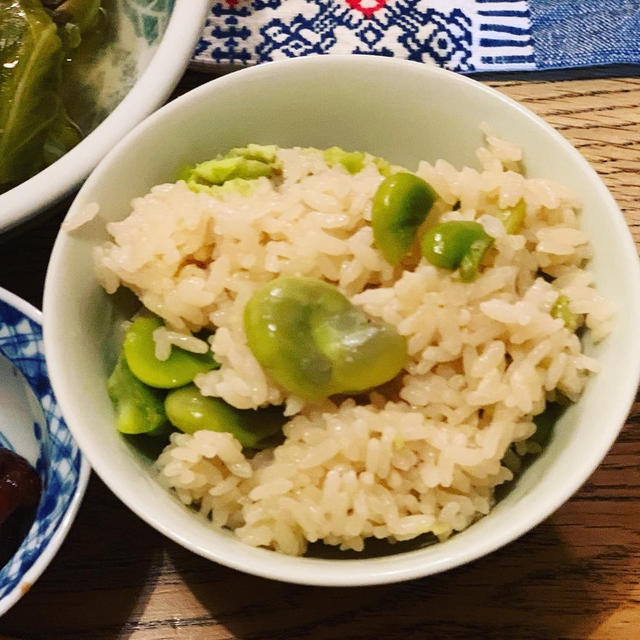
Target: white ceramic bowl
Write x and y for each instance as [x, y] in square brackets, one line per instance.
[137, 72]
[32, 426]
[403, 111]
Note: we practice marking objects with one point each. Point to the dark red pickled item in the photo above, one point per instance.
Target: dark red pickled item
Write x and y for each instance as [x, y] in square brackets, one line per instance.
[20, 485]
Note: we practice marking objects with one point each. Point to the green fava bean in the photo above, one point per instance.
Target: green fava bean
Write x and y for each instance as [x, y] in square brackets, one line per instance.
[314, 343]
[352, 161]
[138, 408]
[513, 218]
[190, 411]
[545, 422]
[457, 243]
[471, 260]
[180, 368]
[400, 206]
[561, 309]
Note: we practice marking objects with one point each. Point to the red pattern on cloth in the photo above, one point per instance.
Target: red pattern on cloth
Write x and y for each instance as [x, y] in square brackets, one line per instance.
[367, 7]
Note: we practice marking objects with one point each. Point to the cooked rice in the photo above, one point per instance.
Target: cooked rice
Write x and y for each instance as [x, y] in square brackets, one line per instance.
[86, 214]
[422, 456]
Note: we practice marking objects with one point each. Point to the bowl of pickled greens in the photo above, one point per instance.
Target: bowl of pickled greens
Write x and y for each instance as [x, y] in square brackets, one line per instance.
[318, 344]
[75, 75]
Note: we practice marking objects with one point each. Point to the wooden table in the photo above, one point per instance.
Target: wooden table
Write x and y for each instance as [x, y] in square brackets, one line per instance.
[575, 576]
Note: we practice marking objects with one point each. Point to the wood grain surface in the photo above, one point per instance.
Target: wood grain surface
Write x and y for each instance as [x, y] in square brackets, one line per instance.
[576, 576]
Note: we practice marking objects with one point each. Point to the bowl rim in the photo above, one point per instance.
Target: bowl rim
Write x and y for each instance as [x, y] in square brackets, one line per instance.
[48, 552]
[356, 572]
[153, 86]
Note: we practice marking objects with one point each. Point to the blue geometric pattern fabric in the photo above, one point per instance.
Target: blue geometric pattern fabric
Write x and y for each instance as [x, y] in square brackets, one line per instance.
[461, 35]
[60, 461]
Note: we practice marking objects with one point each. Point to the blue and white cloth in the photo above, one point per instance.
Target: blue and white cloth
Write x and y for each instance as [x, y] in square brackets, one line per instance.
[461, 35]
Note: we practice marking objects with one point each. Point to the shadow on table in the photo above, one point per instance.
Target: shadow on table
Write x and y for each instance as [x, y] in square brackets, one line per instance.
[98, 582]
[532, 589]
[25, 250]
[572, 73]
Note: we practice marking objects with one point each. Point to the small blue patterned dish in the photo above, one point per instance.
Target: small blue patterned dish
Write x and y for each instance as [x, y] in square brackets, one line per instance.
[31, 425]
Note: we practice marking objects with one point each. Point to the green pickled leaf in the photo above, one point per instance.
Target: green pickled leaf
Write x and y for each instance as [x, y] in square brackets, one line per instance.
[31, 56]
[83, 14]
[62, 136]
[71, 35]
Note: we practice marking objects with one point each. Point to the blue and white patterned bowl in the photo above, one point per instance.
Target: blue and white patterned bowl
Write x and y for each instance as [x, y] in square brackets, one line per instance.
[31, 425]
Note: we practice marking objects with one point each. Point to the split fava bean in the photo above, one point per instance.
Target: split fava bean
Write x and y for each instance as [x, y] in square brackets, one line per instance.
[314, 343]
[461, 244]
[561, 309]
[470, 262]
[456, 244]
[180, 368]
[139, 409]
[190, 411]
[513, 218]
[400, 206]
